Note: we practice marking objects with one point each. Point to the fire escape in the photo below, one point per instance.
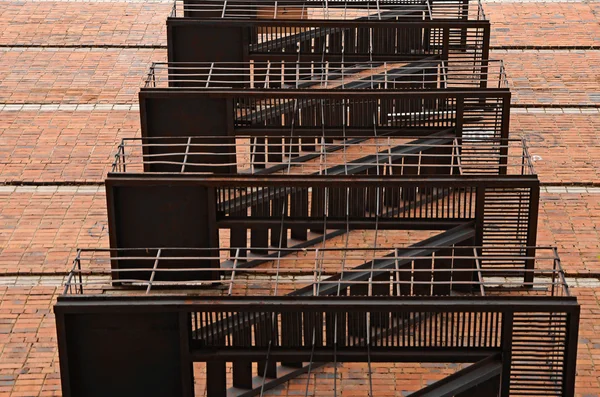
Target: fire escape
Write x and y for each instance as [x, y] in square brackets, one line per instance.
[320, 183]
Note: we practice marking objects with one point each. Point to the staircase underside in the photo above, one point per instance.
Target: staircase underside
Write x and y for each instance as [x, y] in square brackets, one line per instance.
[278, 373]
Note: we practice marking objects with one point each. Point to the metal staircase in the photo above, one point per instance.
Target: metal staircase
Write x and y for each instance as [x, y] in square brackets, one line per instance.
[305, 120]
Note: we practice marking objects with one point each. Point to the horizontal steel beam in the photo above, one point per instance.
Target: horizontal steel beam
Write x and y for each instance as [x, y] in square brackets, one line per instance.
[356, 223]
[355, 354]
[316, 93]
[398, 24]
[331, 181]
[337, 132]
[156, 303]
[333, 57]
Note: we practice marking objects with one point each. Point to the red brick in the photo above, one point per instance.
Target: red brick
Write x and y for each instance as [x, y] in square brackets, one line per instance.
[39, 231]
[74, 75]
[29, 355]
[28, 351]
[565, 147]
[552, 77]
[61, 146]
[543, 24]
[571, 222]
[77, 146]
[70, 23]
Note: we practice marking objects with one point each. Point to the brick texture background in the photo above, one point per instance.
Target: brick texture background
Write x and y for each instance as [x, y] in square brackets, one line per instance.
[94, 75]
[90, 53]
[539, 24]
[59, 146]
[65, 23]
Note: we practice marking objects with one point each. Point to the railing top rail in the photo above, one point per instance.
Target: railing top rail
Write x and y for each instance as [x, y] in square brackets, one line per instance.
[309, 180]
[334, 155]
[333, 10]
[303, 75]
[289, 270]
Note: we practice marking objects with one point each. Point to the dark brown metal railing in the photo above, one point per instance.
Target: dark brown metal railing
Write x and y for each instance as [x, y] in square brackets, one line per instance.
[332, 156]
[323, 271]
[447, 30]
[406, 316]
[347, 113]
[328, 10]
[414, 75]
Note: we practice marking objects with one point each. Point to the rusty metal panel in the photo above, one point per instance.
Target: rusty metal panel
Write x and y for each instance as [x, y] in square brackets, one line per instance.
[122, 354]
[168, 115]
[353, 41]
[191, 42]
[162, 215]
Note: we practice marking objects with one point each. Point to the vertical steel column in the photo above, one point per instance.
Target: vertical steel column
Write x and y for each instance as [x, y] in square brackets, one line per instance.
[504, 133]
[357, 320]
[259, 235]
[317, 206]
[464, 11]
[507, 336]
[570, 362]
[312, 323]
[187, 367]
[265, 334]
[242, 369]
[291, 334]
[216, 378]
[458, 129]
[279, 234]
[485, 56]
[532, 223]
[479, 214]
[445, 43]
[63, 348]
[299, 208]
